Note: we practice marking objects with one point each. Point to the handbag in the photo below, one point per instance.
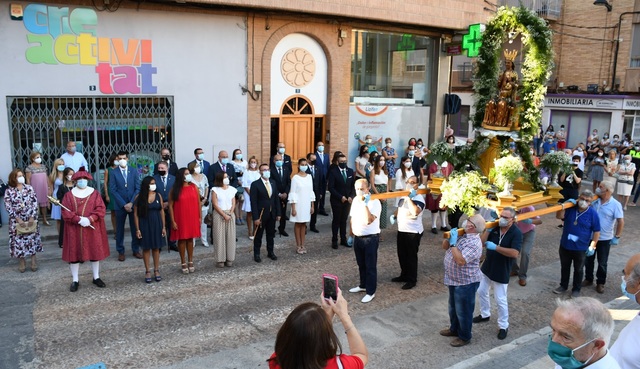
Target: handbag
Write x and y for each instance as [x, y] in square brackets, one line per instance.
[3, 188]
[208, 219]
[20, 229]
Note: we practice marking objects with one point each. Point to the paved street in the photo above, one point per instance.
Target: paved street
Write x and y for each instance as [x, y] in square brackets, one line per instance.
[228, 318]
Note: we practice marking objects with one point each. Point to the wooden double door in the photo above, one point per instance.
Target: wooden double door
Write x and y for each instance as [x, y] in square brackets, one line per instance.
[298, 127]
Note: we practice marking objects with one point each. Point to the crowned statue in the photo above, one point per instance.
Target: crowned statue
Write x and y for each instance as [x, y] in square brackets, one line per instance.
[501, 112]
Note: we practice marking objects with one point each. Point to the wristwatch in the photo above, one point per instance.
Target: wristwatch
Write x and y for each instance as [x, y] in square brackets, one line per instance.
[452, 245]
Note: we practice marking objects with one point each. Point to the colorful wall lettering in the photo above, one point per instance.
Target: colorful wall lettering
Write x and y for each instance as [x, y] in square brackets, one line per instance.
[58, 36]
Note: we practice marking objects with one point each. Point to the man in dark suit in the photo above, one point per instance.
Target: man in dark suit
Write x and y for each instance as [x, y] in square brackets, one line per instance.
[341, 186]
[282, 177]
[316, 179]
[322, 163]
[164, 183]
[222, 165]
[286, 159]
[124, 184]
[265, 208]
[204, 165]
[166, 157]
[416, 163]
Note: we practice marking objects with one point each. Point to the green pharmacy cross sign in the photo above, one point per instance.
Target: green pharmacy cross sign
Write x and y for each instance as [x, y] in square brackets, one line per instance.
[472, 41]
[407, 43]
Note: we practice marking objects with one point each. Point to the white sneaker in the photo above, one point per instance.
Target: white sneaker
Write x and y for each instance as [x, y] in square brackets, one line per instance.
[205, 244]
[357, 289]
[251, 238]
[368, 298]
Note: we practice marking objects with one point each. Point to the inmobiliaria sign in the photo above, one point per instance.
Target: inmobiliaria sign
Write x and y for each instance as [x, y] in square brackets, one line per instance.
[59, 36]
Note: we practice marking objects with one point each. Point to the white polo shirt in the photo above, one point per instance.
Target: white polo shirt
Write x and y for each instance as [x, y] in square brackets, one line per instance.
[359, 217]
[408, 222]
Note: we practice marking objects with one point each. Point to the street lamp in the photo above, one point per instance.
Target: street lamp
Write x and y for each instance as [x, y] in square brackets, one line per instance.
[604, 3]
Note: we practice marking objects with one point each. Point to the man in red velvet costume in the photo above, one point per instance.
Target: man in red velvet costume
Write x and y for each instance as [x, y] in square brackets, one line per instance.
[85, 235]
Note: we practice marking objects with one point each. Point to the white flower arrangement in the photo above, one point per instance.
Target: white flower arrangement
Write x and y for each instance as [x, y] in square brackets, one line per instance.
[506, 170]
[440, 152]
[556, 161]
[464, 191]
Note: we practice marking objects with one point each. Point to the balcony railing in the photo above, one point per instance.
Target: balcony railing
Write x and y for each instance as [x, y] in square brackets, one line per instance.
[547, 9]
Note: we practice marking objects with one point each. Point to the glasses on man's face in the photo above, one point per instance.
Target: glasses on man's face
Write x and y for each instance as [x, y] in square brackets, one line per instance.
[505, 217]
[412, 183]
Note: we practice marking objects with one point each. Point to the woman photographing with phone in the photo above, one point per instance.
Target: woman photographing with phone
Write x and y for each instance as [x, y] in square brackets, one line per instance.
[307, 340]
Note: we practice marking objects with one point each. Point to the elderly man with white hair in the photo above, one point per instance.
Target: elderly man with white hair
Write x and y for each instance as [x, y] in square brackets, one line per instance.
[581, 330]
[625, 349]
[611, 224]
[462, 275]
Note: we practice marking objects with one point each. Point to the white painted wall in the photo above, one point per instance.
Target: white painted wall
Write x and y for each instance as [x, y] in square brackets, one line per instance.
[316, 90]
[200, 61]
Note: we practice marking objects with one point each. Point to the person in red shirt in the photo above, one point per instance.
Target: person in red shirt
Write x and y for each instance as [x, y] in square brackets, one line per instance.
[307, 340]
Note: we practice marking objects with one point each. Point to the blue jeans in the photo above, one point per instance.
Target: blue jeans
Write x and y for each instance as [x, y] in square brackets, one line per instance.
[462, 302]
[121, 217]
[366, 249]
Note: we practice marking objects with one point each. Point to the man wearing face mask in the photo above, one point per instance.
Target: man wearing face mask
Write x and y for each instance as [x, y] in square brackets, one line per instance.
[570, 181]
[634, 152]
[286, 159]
[165, 154]
[580, 236]
[282, 177]
[203, 164]
[611, 225]
[340, 183]
[322, 163]
[164, 183]
[462, 276]
[503, 245]
[581, 331]
[625, 349]
[365, 226]
[124, 183]
[222, 165]
[316, 180]
[410, 229]
[73, 159]
[265, 209]
[561, 138]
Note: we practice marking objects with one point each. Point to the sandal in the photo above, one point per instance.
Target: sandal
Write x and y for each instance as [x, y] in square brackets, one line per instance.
[147, 276]
[185, 270]
[191, 267]
[156, 272]
[300, 250]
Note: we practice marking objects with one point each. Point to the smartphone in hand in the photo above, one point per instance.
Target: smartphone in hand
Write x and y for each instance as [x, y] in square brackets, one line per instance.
[330, 287]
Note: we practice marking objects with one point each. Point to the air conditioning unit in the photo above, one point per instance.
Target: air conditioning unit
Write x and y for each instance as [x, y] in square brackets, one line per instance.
[373, 88]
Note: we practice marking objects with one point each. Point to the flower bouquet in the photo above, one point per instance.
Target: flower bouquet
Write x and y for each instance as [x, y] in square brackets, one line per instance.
[505, 171]
[465, 191]
[554, 163]
[439, 152]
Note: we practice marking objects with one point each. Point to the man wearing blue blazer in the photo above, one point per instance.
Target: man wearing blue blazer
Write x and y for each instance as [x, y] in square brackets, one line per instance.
[125, 185]
[204, 165]
[164, 183]
[322, 163]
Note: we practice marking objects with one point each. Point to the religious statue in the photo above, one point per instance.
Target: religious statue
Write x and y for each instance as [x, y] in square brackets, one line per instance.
[501, 112]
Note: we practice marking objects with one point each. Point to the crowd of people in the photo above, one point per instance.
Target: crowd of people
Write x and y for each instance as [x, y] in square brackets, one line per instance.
[176, 206]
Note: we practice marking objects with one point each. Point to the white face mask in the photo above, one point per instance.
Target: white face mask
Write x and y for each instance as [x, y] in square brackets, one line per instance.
[122, 163]
[188, 178]
[253, 165]
[197, 169]
[152, 187]
[69, 177]
[116, 162]
[38, 160]
[225, 181]
[21, 180]
[407, 164]
[388, 144]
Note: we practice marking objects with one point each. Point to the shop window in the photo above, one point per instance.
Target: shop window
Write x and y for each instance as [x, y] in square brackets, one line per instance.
[634, 61]
[459, 122]
[394, 68]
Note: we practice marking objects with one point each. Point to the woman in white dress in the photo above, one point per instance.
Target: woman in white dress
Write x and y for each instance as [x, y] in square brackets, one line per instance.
[402, 174]
[202, 183]
[626, 169]
[250, 175]
[301, 198]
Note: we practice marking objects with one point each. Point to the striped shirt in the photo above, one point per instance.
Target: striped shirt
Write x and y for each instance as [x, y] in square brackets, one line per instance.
[470, 246]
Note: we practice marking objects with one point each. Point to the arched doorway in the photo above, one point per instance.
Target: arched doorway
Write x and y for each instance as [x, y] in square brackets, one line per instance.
[298, 127]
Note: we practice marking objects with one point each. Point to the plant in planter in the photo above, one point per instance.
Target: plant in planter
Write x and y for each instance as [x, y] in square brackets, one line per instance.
[439, 152]
[505, 171]
[554, 163]
[464, 191]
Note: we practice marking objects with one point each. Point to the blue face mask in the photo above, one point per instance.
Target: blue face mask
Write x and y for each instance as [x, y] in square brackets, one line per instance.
[563, 355]
[225, 161]
[61, 168]
[266, 174]
[623, 287]
[320, 148]
[82, 183]
[200, 156]
[279, 163]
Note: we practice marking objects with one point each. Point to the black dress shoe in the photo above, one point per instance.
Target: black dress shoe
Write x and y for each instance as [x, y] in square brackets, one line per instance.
[334, 244]
[173, 248]
[502, 334]
[283, 233]
[315, 230]
[398, 279]
[408, 286]
[74, 286]
[272, 257]
[98, 282]
[323, 213]
[434, 230]
[480, 319]
[257, 259]
[344, 243]
[445, 229]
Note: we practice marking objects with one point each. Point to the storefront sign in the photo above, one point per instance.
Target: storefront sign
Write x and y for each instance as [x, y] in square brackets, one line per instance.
[582, 102]
[60, 36]
[631, 104]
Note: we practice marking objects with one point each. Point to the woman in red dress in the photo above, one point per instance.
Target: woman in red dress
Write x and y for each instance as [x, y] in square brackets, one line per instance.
[184, 208]
[85, 235]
